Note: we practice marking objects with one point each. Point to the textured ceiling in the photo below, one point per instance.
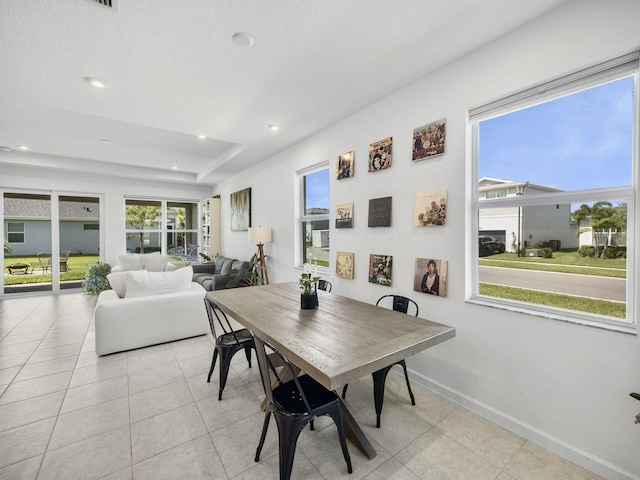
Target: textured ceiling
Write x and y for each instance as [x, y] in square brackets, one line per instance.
[173, 72]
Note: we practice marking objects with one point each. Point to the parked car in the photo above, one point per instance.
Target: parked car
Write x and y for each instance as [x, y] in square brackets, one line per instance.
[488, 245]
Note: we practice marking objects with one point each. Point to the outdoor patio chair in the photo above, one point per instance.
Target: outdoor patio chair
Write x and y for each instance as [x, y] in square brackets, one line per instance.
[64, 256]
[44, 262]
[400, 304]
[294, 402]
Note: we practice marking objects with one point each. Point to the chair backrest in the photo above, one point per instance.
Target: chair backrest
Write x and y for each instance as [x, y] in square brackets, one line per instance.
[217, 316]
[400, 303]
[324, 285]
[65, 254]
[275, 370]
[44, 258]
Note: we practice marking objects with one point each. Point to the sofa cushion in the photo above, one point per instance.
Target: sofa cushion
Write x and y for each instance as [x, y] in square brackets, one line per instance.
[226, 268]
[143, 283]
[154, 263]
[130, 262]
[118, 282]
[219, 263]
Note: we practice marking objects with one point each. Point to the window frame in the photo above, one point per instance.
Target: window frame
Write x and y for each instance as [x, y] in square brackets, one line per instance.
[625, 66]
[9, 233]
[301, 217]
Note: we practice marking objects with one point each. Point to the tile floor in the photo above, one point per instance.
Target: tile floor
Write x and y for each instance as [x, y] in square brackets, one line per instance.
[149, 413]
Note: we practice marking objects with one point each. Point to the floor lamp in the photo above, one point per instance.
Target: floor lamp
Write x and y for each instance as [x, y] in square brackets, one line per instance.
[260, 236]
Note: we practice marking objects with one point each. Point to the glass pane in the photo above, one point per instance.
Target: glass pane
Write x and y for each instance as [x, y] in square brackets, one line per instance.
[578, 142]
[143, 242]
[79, 238]
[27, 262]
[316, 241]
[316, 193]
[565, 250]
[142, 215]
[182, 216]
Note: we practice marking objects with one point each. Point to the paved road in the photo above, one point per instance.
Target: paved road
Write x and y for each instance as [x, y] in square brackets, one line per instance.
[606, 288]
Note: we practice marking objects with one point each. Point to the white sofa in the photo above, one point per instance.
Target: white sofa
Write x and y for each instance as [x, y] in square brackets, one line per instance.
[124, 322]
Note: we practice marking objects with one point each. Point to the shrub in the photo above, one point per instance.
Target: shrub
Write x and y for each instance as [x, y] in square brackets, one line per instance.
[547, 252]
[95, 280]
[587, 251]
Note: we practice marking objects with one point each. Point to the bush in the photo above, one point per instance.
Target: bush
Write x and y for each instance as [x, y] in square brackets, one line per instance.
[547, 252]
[587, 251]
[95, 280]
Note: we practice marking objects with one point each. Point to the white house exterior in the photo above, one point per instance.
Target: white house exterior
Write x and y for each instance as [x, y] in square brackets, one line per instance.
[548, 225]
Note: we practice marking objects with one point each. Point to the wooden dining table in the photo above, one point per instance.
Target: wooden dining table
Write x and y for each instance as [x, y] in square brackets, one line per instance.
[338, 342]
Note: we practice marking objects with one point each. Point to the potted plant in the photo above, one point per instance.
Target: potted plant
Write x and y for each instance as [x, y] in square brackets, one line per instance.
[309, 295]
[95, 280]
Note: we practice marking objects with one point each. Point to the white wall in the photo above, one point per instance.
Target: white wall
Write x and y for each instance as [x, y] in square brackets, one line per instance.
[564, 386]
[113, 191]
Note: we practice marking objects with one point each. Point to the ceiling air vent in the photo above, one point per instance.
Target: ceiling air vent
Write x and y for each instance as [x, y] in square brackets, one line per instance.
[112, 4]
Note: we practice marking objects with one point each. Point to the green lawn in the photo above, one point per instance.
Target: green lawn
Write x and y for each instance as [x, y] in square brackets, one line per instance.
[76, 266]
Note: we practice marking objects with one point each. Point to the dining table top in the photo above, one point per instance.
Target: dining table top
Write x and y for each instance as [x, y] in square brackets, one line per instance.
[337, 342]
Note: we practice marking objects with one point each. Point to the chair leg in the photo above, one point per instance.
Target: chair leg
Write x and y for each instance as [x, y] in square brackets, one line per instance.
[289, 429]
[225, 361]
[406, 376]
[379, 378]
[213, 363]
[265, 427]
[247, 352]
[337, 419]
[344, 391]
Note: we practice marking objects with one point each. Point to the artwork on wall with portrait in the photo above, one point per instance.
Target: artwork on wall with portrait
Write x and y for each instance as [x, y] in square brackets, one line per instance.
[429, 140]
[380, 212]
[344, 265]
[241, 210]
[344, 165]
[380, 154]
[430, 276]
[430, 209]
[344, 215]
[380, 267]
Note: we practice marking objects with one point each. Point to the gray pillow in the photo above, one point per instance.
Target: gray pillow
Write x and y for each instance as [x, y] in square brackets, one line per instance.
[226, 268]
[219, 263]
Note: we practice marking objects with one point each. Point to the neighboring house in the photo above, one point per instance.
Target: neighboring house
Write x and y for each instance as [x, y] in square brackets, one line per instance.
[27, 226]
[540, 225]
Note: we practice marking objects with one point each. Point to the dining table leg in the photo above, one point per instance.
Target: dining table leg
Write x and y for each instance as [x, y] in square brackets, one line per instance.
[354, 432]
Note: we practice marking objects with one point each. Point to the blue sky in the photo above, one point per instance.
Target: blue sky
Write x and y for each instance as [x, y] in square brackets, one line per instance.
[577, 142]
[317, 189]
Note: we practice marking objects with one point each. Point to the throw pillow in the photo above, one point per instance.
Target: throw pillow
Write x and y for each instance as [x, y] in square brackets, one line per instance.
[226, 267]
[143, 283]
[130, 262]
[118, 282]
[156, 263]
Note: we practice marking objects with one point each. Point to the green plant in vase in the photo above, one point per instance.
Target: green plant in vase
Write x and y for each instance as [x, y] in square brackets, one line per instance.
[309, 295]
[95, 280]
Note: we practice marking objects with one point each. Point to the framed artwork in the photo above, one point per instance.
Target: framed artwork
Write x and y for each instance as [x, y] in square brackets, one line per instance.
[344, 265]
[430, 276]
[380, 154]
[241, 210]
[430, 209]
[429, 140]
[344, 165]
[380, 212]
[380, 267]
[344, 215]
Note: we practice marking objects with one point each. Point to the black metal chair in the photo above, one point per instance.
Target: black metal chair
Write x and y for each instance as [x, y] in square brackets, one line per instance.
[400, 304]
[324, 285]
[294, 402]
[227, 344]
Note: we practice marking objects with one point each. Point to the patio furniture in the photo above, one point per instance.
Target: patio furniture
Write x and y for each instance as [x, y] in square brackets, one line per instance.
[64, 256]
[15, 267]
[44, 262]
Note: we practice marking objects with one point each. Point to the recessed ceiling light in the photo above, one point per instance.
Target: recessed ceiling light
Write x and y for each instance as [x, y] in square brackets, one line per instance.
[96, 82]
[104, 140]
[5, 149]
[23, 147]
[202, 137]
[273, 127]
[242, 39]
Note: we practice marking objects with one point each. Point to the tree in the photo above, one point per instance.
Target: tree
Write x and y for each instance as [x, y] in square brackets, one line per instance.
[7, 247]
[139, 216]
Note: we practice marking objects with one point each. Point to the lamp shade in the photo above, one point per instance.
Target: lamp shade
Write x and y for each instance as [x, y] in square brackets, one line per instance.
[259, 234]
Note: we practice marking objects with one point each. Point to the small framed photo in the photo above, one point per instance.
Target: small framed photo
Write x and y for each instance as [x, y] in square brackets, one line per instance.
[429, 140]
[380, 268]
[344, 215]
[380, 154]
[344, 165]
[344, 265]
[430, 276]
[430, 209]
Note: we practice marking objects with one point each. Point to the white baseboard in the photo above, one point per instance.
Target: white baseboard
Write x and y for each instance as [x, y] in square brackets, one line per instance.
[537, 436]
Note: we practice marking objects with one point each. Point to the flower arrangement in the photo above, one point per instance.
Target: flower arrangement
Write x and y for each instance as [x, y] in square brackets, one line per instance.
[95, 280]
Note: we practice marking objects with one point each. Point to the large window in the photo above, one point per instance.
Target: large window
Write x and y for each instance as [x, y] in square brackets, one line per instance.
[314, 215]
[555, 197]
[166, 226]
